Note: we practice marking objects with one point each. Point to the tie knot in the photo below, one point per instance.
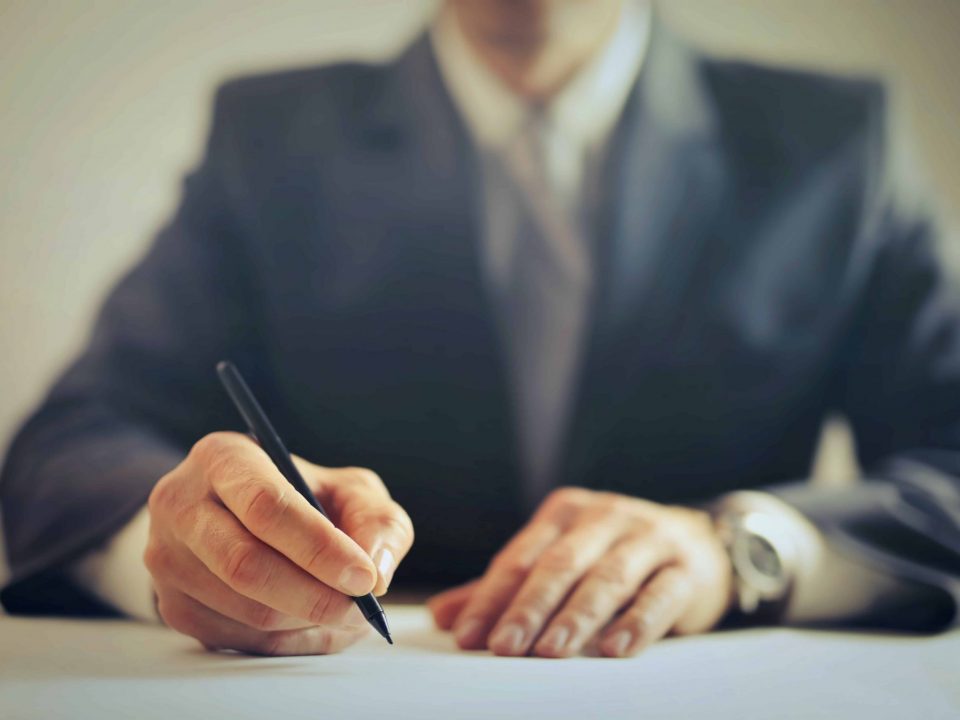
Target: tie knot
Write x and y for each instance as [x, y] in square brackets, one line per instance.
[529, 145]
[534, 154]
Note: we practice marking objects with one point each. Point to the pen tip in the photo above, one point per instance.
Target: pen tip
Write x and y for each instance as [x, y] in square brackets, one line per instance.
[379, 622]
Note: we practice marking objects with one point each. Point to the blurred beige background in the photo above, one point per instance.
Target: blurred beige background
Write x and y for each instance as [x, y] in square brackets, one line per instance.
[103, 106]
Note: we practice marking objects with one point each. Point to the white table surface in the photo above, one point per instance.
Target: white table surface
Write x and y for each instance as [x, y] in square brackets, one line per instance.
[113, 669]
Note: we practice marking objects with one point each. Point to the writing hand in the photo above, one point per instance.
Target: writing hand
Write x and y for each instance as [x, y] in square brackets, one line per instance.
[241, 561]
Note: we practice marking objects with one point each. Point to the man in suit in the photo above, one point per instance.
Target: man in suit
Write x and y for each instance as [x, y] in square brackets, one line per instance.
[549, 246]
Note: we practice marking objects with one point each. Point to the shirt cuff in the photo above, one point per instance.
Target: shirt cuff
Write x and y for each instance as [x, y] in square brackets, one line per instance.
[115, 572]
[827, 586]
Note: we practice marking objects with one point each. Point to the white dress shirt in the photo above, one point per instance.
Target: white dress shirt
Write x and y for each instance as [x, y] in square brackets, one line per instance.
[581, 120]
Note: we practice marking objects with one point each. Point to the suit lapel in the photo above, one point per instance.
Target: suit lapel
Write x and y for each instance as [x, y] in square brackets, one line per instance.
[663, 182]
[436, 169]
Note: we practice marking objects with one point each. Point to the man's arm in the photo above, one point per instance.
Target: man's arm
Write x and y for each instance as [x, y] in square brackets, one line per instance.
[236, 559]
[124, 414]
[899, 385]
[822, 585]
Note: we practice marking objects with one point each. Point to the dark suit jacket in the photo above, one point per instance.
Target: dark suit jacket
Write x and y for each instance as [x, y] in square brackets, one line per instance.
[759, 269]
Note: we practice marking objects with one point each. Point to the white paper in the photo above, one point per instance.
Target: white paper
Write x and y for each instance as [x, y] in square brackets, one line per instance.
[93, 669]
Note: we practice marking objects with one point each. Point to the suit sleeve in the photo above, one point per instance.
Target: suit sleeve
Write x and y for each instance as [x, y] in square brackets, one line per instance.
[142, 391]
[898, 383]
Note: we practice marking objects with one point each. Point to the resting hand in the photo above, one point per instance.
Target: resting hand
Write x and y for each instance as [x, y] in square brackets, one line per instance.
[593, 566]
[241, 561]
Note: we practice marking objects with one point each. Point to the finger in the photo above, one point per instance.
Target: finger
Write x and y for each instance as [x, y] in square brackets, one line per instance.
[256, 570]
[249, 484]
[446, 606]
[605, 589]
[180, 569]
[314, 640]
[658, 606]
[500, 583]
[513, 563]
[216, 632]
[364, 510]
[554, 575]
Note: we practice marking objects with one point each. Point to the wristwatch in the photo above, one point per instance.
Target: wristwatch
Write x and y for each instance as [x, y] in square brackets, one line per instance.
[763, 556]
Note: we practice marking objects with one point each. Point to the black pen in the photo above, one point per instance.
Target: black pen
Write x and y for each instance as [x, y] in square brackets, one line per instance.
[271, 443]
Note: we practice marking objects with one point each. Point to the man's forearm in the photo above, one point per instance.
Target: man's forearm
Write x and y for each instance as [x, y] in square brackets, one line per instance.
[74, 477]
[827, 586]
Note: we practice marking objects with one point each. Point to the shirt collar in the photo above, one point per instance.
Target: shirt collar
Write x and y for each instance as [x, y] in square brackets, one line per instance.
[585, 109]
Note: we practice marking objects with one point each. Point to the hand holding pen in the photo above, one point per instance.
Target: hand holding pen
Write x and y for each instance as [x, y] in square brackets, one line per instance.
[240, 560]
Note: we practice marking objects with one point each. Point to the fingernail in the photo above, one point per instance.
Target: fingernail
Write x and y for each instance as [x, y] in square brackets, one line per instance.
[618, 643]
[386, 564]
[555, 640]
[507, 640]
[468, 632]
[356, 580]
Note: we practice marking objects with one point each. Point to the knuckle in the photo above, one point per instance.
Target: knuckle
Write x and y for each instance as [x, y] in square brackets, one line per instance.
[321, 642]
[534, 605]
[510, 567]
[583, 620]
[638, 535]
[177, 616]
[216, 455]
[390, 519]
[393, 518]
[325, 609]
[529, 616]
[642, 623]
[567, 496]
[263, 506]
[157, 558]
[584, 616]
[315, 476]
[241, 566]
[405, 522]
[317, 561]
[560, 558]
[669, 589]
[265, 618]
[212, 447]
[164, 496]
[272, 644]
[366, 477]
[612, 571]
[612, 503]
[692, 515]
[704, 523]
[660, 533]
[682, 585]
[654, 600]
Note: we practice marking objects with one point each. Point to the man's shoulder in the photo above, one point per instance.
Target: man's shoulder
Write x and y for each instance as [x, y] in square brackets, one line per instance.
[291, 84]
[330, 93]
[796, 111]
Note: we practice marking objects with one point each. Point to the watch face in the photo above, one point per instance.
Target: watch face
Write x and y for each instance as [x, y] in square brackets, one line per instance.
[763, 557]
[756, 556]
